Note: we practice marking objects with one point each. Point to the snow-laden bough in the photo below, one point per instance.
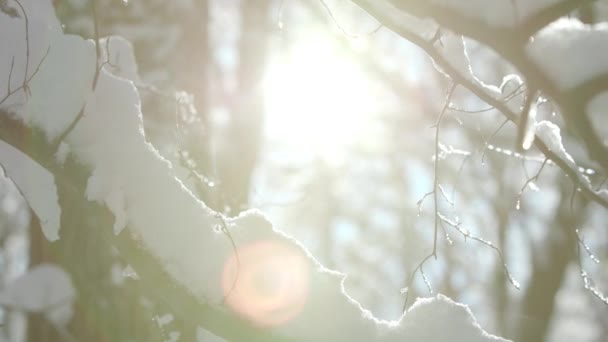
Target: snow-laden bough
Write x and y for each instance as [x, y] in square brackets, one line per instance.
[302, 300]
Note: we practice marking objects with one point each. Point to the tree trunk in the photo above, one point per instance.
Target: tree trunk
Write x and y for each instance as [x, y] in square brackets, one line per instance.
[547, 275]
[245, 132]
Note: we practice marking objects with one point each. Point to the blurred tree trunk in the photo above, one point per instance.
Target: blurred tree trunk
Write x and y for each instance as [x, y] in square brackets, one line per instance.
[500, 291]
[192, 64]
[103, 311]
[548, 268]
[87, 250]
[244, 133]
[192, 56]
[586, 13]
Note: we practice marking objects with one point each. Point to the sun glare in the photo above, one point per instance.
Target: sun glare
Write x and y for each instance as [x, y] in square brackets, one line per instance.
[318, 100]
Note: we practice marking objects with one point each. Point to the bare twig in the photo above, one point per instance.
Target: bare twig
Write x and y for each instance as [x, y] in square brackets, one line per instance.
[26, 79]
[340, 27]
[435, 192]
[529, 181]
[485, 147]
[440, 60]
[411, 279]
[582, 242]
[10, 75]
[29, 79]
[436, 171]
[80, 114]
[421, 201]
[588, 282]
[27, 47]
[516, 92]
[444, 194]
[226, 231]
[466, 234]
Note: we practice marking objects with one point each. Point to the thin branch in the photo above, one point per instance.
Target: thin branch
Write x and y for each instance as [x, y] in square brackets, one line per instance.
[436, 171]
[485, 147]
[333, 18]
[26, 79]
[80, 114]
[466, 234]
[529, 181]
[516, 92]
[226, 231]
[446, 234]
[588, 282]
[97, 47]
[435, 192]
[340, 27]
[13, 91]
[421, 201]
[459, 172]
[10, 75]
[27, 47]
[449, 69]
[444, 194]
[411, 279]
[582, 242]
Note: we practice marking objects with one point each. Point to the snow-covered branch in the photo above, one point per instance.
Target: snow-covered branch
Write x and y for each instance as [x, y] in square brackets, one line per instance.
[205, 260]
[542, 70]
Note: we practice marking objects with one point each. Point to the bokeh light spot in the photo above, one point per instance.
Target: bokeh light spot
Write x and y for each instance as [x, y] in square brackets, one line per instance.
[266, 282]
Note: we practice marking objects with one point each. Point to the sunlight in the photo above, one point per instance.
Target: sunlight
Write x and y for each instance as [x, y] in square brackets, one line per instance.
[318, 100]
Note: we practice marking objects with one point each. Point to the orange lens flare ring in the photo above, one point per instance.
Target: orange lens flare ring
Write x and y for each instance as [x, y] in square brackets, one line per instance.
[267, 283]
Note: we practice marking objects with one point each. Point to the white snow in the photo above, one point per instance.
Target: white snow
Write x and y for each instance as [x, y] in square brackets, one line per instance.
[279, 284]
[500, 13]
[118, 57]
[45, 289]
[58, 93]
[550, 134]
[42, 30]
[454, 50]
[529, 134]
[37, 186]
[570, 52]
[423, 27]
[441, 319]
[55, 94]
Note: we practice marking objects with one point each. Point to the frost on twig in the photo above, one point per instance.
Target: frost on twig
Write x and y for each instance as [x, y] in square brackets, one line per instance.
[588, 282]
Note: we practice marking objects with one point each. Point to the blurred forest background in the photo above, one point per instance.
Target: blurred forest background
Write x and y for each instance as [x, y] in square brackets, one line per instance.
[313, 113]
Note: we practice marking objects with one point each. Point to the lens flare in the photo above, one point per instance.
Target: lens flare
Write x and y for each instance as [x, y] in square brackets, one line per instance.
[266, 282]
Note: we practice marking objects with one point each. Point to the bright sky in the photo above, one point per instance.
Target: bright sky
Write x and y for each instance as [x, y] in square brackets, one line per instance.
[318, 100]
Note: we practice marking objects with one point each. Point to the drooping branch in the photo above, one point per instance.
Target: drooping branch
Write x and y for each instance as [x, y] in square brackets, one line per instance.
[70, 179]
[519, 59]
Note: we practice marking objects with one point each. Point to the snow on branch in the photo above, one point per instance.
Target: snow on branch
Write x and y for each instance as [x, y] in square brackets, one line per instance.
[36, 185]
[504, 43]
[562, 51]
[258, 273]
